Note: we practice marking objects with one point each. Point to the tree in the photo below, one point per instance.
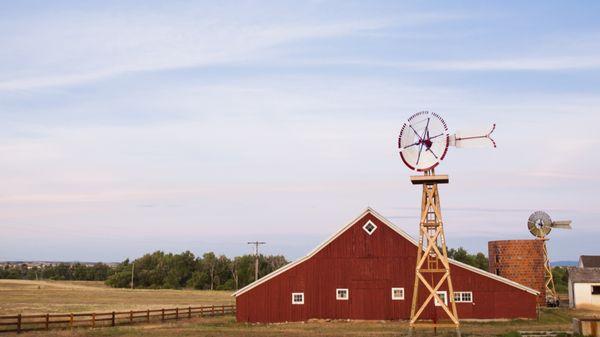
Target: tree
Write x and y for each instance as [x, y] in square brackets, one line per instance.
[478, 260]
[561, 279]
[233, 268]
[210, 263]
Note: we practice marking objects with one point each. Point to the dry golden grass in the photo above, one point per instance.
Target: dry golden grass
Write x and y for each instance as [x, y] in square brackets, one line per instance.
[29, 297]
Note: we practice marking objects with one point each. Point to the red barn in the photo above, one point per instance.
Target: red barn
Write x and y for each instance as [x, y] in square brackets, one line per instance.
[366, 271]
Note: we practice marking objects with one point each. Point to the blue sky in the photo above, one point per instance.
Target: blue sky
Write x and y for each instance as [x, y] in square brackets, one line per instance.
[135, 126]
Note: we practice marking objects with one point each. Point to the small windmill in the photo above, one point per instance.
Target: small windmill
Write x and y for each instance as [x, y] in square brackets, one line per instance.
[540, 224]
[423, 144]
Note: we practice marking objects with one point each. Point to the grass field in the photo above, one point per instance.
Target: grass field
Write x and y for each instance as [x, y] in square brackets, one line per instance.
[41, 297]
[29, 297]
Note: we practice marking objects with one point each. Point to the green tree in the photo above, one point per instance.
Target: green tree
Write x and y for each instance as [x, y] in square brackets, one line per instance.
[561, 279]
[478, 260]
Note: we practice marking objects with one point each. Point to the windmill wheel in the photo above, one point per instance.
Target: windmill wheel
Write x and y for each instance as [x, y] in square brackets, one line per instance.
[539, 224]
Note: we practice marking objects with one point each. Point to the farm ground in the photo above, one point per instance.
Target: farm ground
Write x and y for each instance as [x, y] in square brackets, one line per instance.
[558, 320]
[29, 297]
[45, 296]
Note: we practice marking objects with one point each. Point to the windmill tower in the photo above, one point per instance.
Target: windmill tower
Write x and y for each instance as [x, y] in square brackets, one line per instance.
[540, 224]
[423, 144]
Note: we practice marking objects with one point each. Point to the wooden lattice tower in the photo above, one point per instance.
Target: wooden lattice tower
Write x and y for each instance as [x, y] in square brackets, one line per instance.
[548, 278]
[433, 269]
[540, 224]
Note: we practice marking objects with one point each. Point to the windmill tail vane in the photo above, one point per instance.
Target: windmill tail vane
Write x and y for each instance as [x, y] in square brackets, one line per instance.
[472, 139]
[564, 224]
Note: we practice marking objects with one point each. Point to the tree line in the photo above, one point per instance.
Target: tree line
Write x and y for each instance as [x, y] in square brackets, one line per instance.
[176, 271]
[61, 271]
[158, 270]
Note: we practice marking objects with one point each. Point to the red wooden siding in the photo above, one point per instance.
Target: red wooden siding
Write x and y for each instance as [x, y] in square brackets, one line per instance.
[369, 266]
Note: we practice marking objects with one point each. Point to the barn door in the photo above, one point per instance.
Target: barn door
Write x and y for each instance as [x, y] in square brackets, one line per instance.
[369, 303]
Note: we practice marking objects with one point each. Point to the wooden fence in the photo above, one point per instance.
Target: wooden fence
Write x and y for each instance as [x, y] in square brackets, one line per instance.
[19, 323]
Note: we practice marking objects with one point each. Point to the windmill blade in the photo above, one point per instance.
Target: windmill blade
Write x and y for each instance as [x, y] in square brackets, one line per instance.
[474, 139]
[563, 224]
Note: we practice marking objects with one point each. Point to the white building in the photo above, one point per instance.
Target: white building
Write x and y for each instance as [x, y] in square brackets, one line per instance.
[584, 288]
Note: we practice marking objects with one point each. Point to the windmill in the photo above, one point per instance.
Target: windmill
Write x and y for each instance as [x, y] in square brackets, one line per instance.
[423, 144]
[540, 224]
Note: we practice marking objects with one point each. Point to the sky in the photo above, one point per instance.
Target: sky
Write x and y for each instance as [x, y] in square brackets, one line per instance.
[135, 126]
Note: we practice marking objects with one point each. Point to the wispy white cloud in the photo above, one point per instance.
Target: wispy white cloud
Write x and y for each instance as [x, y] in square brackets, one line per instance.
[120, 49]
[509, 63]
[77, 47]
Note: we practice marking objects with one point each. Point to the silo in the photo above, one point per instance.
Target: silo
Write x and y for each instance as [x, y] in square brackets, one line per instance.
[521, 261]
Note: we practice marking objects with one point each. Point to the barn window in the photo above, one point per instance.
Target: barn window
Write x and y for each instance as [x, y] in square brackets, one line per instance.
[444, 296]
[342, 294]
[397, 294]
[297, 298]
[595, 290]
[463, 297]
[369, 227]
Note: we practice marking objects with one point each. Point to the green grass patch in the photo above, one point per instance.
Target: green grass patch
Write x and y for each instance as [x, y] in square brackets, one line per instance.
[511, 334]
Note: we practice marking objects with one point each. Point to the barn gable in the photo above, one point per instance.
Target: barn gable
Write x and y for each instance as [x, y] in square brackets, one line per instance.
[395, 229]
[366, 260]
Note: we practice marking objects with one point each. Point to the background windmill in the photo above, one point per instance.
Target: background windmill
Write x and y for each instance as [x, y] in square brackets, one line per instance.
[540, 224]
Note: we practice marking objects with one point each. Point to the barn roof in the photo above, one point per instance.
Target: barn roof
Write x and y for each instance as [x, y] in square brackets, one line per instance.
[397, 230]
[590, 261]
[584, 275]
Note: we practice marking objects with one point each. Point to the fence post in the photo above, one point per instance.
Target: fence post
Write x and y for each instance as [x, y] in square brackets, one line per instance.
[223, 309]
[190, 311]
[162, 317]
[71, 320]
[113, 319]
[148, 315]
[212, 310]
[93, 319]
[19, 323]
[176, 313]
[47, 321]
[130, 316]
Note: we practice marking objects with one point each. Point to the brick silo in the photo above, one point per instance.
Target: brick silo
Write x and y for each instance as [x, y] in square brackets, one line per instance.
[521, 261]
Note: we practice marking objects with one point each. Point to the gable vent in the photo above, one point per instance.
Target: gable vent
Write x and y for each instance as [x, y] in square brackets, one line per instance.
[369, 227]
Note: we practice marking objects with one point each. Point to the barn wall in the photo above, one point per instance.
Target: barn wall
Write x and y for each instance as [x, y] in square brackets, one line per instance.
[369, 266]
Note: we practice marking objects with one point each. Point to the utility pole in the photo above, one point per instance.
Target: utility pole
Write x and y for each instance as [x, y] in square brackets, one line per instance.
[256, 243]
[132, 270]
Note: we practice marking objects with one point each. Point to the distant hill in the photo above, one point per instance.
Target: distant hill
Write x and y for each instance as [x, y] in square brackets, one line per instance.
[564, 263]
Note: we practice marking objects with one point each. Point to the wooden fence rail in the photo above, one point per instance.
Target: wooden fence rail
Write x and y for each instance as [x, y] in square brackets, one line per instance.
[19, 323]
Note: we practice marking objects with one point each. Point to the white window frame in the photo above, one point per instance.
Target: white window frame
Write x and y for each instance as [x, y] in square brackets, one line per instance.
[399, 298]
[294, 298]
[439, 293]
[369, 223]
[461, 298]
[337, 294]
